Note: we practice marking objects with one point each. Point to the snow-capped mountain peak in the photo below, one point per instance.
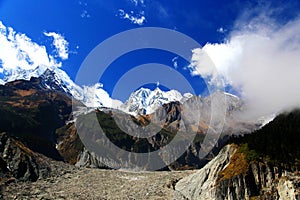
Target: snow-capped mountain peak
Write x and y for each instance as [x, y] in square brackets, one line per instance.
[146, 101]
[56, 76]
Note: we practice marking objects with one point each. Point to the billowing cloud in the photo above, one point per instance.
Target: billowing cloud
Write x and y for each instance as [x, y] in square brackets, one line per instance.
[201, 64]
[260, 59]
[60, 44]
[138, 19]
[96, 96]
[19, 51]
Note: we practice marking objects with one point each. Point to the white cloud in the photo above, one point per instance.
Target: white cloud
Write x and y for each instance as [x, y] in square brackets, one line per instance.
[60, 44]
[96, 96]
[137, 13]
[262, 61]
[224, 55]
[201, 64]
[138, 19]
[19, 51]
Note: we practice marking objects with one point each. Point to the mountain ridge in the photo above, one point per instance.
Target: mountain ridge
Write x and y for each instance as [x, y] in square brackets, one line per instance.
[94, 95]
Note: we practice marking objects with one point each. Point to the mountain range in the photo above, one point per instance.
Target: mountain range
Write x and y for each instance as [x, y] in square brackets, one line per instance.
[142, 101]
[37, 126]
[49, 92]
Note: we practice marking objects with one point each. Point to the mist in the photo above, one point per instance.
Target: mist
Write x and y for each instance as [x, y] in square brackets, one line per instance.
[261, 60]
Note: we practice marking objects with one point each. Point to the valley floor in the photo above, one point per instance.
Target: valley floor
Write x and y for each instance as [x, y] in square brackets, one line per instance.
[86, 183]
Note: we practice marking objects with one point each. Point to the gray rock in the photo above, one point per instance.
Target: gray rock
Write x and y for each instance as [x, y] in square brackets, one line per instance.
[261, 181]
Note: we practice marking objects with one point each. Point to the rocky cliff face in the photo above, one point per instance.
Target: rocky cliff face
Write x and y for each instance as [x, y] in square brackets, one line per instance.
[201, 185]
[228, 176]
[260, 181]
[19, 162]
[288, 188]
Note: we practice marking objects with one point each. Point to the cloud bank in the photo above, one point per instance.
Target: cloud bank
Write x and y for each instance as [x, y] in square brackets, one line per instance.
[261, 59]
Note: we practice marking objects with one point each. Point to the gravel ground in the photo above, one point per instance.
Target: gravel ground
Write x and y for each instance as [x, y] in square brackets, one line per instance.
[87, 183]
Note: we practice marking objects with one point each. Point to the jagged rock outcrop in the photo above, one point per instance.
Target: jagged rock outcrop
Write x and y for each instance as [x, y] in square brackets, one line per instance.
[19, 162]
[289, 187]
[260, 181]
[256, 181]
[88, 159]
[228, 176]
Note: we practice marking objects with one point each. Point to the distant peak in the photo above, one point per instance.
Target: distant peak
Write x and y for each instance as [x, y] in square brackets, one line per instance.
[142, 90]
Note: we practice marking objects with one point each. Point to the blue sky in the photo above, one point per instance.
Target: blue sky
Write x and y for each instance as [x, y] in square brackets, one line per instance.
[86, 23]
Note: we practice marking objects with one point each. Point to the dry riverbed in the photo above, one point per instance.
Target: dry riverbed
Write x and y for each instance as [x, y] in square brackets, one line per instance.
[86, 183]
